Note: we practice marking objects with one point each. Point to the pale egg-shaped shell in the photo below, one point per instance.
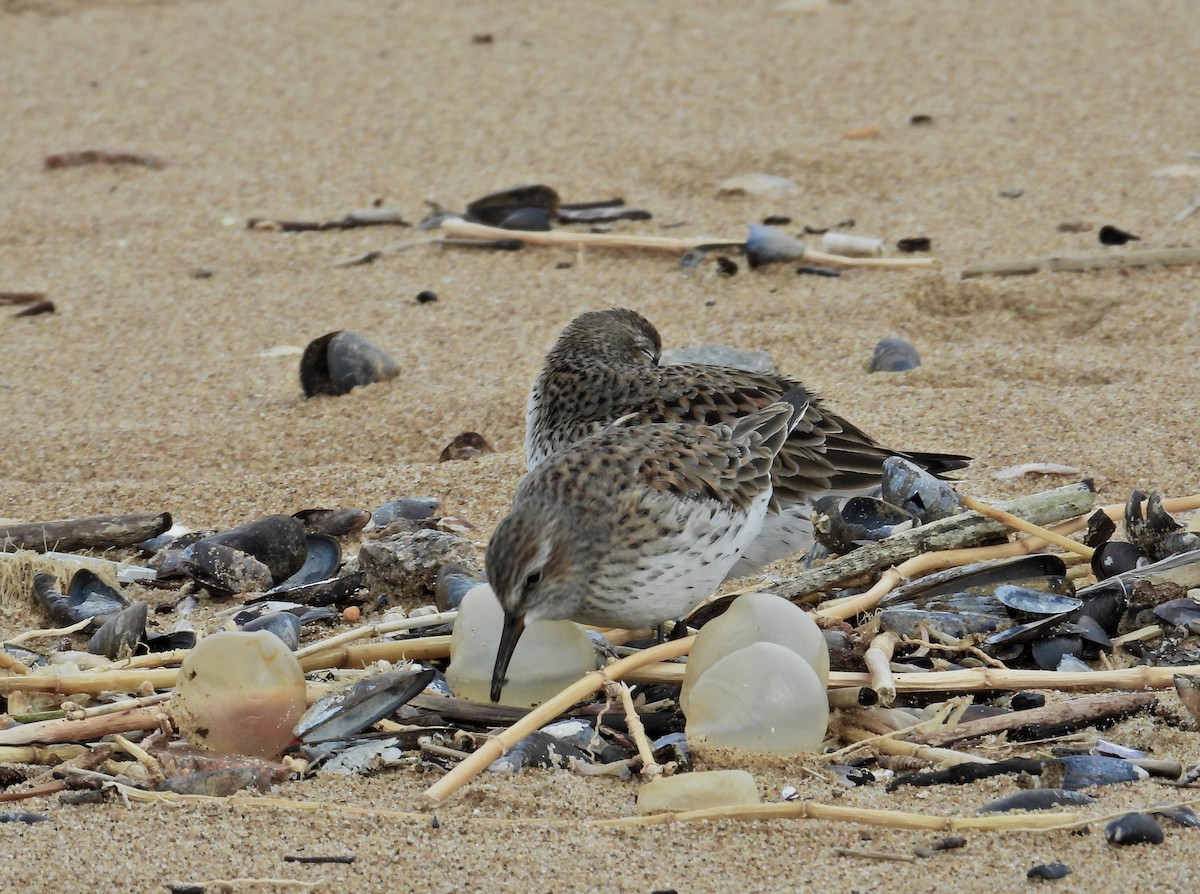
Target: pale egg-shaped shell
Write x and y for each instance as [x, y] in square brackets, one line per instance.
[550, 655]
[751, 618]
[763, 698]
[697, 791]
[239, 692]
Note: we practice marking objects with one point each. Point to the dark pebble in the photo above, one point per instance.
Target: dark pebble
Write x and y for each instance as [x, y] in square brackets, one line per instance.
[23, 817]
[426, 296]
[1049, 871]
[814, 270]
[776, 220]
[482, 38]
[726, 267]
[921, 120]
[914, 243]
[1024, 701]
[1110, 235]
[1134, 828]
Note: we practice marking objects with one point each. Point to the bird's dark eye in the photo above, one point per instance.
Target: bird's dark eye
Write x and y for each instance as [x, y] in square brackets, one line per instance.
[533, 579]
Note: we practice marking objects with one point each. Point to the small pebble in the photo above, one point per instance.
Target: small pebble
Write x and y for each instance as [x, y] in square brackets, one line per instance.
[1110, 235]
[1011, 193]
[914, 243]
[426, 297]
[1134, 828]
[921, 120]
[351, 613]
[726, 267]
[1049, 871]
[814, 270]
[776, 220]
[1023, 701]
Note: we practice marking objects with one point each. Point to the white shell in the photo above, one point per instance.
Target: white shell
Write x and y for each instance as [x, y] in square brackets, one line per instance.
[762, 698]
[550, 655]
[751, 618]
[240, 693]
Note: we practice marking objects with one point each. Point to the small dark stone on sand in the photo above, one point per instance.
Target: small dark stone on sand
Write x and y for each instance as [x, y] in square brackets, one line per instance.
[914, 243]
[482, 38]
[1023, 701]
[726, 267]
[1049, 871]
[1110, 235]
[921, 120]
[1134, 828]
[814, 270]
[202, 273]
[426, 297]
[776, 220]
[1011, 193]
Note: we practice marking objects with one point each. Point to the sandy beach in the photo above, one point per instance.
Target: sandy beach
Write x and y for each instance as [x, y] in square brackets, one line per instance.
[154, 386]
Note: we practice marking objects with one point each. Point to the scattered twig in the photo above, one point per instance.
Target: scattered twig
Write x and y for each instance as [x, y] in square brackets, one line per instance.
[381, 629]
[1147, 257]
[365, 217]
[882, 856]
[48, 633]
[463, 228]
[1020, 524]
[64, 730]
[22, 297]
[637, 732]
[80, 157]
[878, 659]
[336, 858]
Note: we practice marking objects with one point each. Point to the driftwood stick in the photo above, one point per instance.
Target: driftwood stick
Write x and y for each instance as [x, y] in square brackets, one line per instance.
[1146, 257]
[637, 732]
[456, 227]
[98, 532]
[33, 754]
[53, 731]
[496, 746]
[887, 744]
[1068, 712]
[878, 659]
[958, 531]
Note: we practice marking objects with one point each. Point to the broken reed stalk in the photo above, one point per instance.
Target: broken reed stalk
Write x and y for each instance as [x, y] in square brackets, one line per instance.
[1072, 712]
[1020, 524]
[637, 732]
[496, 746]
[1147, 257]
[887, 743]
[34, 754]
[456, 227]
[882, 819]
[878, 659]
[381, 629]
[52, 731]
[958, 531]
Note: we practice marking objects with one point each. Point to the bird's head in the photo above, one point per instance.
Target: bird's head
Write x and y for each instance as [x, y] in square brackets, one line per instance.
[618, 335]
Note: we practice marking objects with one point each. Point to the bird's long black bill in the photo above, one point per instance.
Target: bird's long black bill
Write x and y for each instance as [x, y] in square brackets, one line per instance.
[514, 626]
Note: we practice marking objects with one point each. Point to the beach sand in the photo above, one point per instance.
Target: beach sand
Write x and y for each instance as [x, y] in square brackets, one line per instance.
[148, 388]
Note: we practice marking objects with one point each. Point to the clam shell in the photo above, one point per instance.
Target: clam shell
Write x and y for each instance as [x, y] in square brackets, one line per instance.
[894, 355]
[121, 633]
[493, 208]
[354, 709]
[284, 625]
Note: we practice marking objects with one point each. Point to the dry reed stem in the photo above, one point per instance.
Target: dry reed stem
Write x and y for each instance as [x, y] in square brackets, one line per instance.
[456, 227]
[54, 731]
[878, 659]
[380, 629]
[637, 732]
[1028, 527]
[496, 746]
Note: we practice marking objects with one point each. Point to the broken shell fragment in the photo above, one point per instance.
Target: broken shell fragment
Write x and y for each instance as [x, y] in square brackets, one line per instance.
[697, 791]
[1114, 557]
[340, 361]
[322, 558]
[240, 693]
[284, 625]
[894, 355]
[549, 656]
[1187, 687]
[907, 485]
[334, 522]
[496, 207]
[763, 698]
[1134, 828]
[844, 524]
[87, 597]
[467, 445]
[767, 245]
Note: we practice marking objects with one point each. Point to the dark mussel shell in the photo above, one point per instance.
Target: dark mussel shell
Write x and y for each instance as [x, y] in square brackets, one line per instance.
[844, 525]
[454, 581]
[321, 562]
[1028, 601]
[87, 597]
[168, 561]
[907, 485]
[1134, 828]
[340, 361]
[1043, 572]
[497, 207]
[122, 633]
[1049, 652]
[1155, 531]
[1142, 588]
[1182, 612]
[466, 445]
[894, 355]
[334, 522]
[284, 625]
[1114, 557]
[352, 710]
[252, 556]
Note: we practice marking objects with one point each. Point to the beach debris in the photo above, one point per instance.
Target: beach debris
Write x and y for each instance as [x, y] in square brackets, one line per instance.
[548, 656]
[322, 559]
[409, 510]
[1049, 871]
[866, 132]
[1187, 687]
[427, 296]
[11, 297]
[1110, 235]
[340, 361]
[1150, 257]
[917, 492]
[405, 564]
[1036, 799]
[539, 749]
[239, 693]
[842, 524]
[1153, 530]
[80, 157]
[467, 445]
[921, 120]
[333, 522]
[531, 206]
[36, 309]
[1080, 771]
[121, 633]
[284, 625]
[961, 774]
[96, 532]
[1011, 473]
[764, 698]
[697, 791]
[251, 557]
[757, 184]
[453, 583]
[893, 355]
[768, 245]
[362, 217]
[851, 246]
[600, 212]
[88, 598]
[911, 244]
[1134, 828]
[348, 712]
